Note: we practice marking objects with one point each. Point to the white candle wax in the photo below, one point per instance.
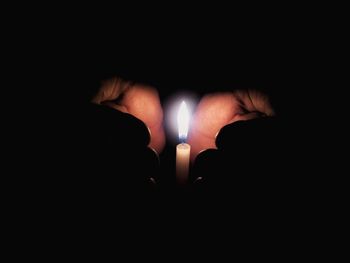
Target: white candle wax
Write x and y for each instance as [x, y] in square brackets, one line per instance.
[182, 162]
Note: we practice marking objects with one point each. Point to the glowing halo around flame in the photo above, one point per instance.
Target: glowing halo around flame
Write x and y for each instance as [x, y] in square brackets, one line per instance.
[178, 111]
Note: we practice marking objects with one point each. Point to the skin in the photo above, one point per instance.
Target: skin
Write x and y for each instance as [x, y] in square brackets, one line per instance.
[138, 100]
[217, 110]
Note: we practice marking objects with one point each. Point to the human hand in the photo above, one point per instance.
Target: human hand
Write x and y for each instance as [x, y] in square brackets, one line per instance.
[139, 100]
[220, 109]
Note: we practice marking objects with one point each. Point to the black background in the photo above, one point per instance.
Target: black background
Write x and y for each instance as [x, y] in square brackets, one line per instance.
[64, 54]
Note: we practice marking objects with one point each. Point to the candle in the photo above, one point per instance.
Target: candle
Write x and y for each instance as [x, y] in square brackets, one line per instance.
[183, 149]
[182, 162]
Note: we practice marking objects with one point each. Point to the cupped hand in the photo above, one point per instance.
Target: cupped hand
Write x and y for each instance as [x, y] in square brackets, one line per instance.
[139, 100]
[217, 110]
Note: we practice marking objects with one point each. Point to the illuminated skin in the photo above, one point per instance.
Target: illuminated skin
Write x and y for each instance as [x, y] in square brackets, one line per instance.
[138, 100]
[219, 109]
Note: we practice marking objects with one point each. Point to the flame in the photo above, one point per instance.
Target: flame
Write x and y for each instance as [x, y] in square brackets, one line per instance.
[183, 121]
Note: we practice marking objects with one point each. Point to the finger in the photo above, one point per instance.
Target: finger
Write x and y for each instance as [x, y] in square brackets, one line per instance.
[254, 101]
[110, 90]
[247, 116]
[261, 102]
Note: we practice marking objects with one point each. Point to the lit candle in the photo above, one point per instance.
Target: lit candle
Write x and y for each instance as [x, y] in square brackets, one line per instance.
[183, 149]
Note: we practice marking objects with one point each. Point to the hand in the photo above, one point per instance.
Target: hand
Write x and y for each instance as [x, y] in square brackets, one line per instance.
[138, 100]
[220, 109]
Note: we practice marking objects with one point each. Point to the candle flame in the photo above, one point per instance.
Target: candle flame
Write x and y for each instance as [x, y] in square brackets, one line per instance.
[183, 120]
